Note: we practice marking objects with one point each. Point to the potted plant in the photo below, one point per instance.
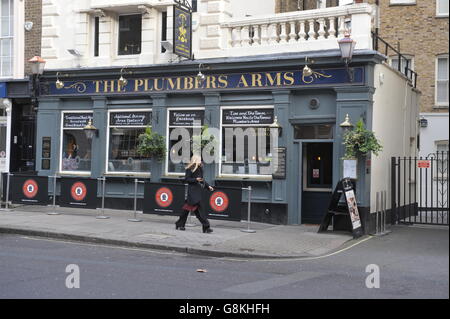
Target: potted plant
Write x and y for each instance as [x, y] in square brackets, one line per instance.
[151, 145]
[360, 141]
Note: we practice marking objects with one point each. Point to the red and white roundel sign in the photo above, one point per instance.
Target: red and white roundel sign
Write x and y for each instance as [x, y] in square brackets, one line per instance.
[219, 201]
[30, 188]
[164, 197]
[78, 191]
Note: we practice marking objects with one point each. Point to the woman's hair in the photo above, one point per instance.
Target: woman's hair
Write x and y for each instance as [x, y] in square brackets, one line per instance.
[195, 162]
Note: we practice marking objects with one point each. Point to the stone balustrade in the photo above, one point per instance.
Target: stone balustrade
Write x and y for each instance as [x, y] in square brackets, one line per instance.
[299, 31]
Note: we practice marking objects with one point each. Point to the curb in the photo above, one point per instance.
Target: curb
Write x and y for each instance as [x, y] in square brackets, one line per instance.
[123, 243]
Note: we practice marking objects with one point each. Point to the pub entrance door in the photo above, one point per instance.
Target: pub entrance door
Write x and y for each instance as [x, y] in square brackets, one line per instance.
[317, 180]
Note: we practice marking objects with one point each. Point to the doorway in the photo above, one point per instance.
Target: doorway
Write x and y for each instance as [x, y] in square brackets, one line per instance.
[317, 166]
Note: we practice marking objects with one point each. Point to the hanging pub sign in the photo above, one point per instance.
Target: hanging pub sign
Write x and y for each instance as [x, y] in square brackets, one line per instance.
[78, 192]
[76, 120]
[29, 190]
[247, 117]
[130, 119]
[223, 203]
[187, 118]
[163, 199]
[182, 29]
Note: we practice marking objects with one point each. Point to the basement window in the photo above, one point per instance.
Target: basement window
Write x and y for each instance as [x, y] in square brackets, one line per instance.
[130, 34]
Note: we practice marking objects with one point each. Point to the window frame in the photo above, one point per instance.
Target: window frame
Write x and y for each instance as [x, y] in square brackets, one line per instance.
[407, 56]
[78, 173]
[402, 2]
[108, 135]
[10, 37]
[439, 14]
[437, 104]
[169, 109]
[118, 35]
[246, 107]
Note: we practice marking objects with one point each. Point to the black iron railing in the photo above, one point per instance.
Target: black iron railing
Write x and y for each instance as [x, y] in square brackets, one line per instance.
[407, 71]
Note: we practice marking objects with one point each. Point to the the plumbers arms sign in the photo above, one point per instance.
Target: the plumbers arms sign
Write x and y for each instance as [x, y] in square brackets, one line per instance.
[235, 81]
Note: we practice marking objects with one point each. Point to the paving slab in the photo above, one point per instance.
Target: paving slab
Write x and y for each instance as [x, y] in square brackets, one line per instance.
[158, 232]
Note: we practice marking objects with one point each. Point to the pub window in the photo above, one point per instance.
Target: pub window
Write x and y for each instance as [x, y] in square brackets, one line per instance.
[124, 130]
[313, 131]
[76, 148]
[96, 35]
[163, 29]
[130, 32]
[254, 125]
[185, 119]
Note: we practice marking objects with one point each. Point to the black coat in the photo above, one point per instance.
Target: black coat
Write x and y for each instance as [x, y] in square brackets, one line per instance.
[195, 188]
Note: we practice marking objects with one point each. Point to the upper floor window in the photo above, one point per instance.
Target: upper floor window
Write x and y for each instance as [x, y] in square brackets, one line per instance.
[442, 81]
[130, 34]
[442, 8]
[404, 2]
[6, 37]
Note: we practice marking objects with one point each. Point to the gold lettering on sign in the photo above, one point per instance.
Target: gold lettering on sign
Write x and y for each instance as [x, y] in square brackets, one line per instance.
[172, 85]
[155, 86]
[108, 86]
[256, 80]
[223, 80]
[271, 80]
[289, 78]
[97, 86]
[242, 81]
[188, 83]
[211, 82]
[137, 84]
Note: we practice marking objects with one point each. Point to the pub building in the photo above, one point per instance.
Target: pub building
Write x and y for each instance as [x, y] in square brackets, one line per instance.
[241, 92]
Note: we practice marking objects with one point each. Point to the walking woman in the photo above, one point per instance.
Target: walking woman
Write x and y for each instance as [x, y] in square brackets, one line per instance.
[196, 184]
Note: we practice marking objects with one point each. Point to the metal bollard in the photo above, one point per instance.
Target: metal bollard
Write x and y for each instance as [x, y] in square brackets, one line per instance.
[6, 209]
[102, 215]
[135, 219]
[377, 206]
[248, 230]
[54, 212]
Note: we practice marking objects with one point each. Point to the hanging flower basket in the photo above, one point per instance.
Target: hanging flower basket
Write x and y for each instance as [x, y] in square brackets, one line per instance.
[151, 145]
[360, 142]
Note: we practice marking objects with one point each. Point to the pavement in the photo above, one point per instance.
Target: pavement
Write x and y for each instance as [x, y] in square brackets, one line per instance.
[158, 232]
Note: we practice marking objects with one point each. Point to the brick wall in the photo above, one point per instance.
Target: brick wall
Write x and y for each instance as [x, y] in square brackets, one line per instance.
[33, 12]
[420, 34]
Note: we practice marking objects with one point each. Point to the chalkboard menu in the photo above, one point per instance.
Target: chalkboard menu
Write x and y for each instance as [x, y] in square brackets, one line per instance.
[280, 169]
[76, 120]
[247, 117]
[186, 117]
[130, 119]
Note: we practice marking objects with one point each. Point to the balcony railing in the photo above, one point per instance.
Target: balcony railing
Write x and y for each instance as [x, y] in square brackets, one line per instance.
[299, 31]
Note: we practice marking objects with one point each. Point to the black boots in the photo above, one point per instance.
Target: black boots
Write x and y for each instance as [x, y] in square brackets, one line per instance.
[207, 230]
[179, 227]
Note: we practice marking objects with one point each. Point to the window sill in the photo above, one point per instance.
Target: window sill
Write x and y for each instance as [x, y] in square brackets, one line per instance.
[129, 174]
[442, 16]
[244, 178]
[74, 174]
[443, 106]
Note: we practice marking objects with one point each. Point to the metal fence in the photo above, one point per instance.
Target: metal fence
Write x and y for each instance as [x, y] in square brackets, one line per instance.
[419, 191]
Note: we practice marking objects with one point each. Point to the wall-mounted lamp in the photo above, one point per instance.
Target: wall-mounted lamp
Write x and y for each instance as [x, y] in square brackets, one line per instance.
[122, 80]
[90, 130]
[423, 122]
[347, 45]
[307, 70]
[346, 125]
[59, 84]
[276, 126]
[200, 76]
